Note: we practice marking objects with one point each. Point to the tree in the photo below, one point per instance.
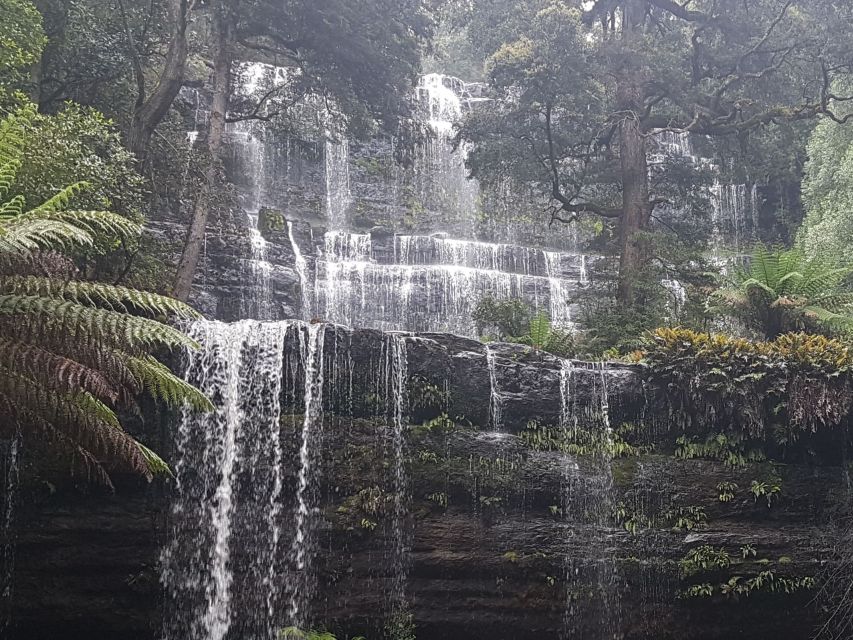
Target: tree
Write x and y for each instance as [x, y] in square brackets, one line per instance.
[74, 353]
[783, 291]
[357, 58]
[585, 88]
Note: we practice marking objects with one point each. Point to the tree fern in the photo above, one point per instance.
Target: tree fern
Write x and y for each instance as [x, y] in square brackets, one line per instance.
[783, 290]
[74, 354]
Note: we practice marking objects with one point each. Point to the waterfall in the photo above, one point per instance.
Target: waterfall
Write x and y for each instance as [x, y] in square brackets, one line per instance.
[248, 141]
[442, 181]
[435, 283]
[302, 271]
[396, 368]
[567, 406]
[311, 348]
[495, 400]
[588, 509]
[338, 195]
[228, 471]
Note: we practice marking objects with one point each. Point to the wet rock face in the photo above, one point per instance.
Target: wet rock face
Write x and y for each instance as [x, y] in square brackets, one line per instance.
[511, 532]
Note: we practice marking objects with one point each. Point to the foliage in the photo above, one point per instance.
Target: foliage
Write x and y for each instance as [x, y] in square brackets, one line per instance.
[802, 381]
[566, 74]
[576, 441]
[703, 559]
[763, 582]
[707, 559]
[686, 518]
[542, 336]
[506, 318]
[514, 321]
[783, 291]
[21, 42]
[769, 490]
[732, 449]
[78, 144]
[827, 189]
[73, 353]
[727, 491]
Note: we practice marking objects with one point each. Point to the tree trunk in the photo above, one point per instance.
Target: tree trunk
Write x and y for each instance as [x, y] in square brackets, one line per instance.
[223, 18]
[636, 210]
[150, 111]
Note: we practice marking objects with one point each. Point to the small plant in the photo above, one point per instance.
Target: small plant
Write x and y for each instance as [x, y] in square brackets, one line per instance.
[439, 498]
[726, 491]
[768, 490]
[686, 518]
[747, 551]
[704, 590]
[704, 558]
[491, 503]
[630, 520]
[425, 396]
[731, 450]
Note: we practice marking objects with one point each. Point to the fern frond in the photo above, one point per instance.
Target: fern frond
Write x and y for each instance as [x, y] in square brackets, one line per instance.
[62, 199]
[116, 329]
[156, 464]
[24, 236]
[8, 173]
[162, 384]
[95, 294]
[54, 371]
[93, 222]
[88, 423]
[842, 321]
[540, 328]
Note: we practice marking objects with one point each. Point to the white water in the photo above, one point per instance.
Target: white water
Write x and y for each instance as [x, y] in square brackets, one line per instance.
[229, 462]
[495, 400]
[311, 346]
[588, 511]
[301, 265]
[396, 367]
[435, 283]
[442, 182]
[338, 195]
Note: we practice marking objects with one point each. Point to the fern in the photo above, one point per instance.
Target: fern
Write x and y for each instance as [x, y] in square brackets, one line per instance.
[72, 353]
[783, 291]
[95, 294]
[540, 330]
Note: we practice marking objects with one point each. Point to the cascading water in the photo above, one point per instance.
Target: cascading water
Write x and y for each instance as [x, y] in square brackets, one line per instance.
[303, 548]
[442, 181]
[495, 400]
[228, 473]
[248, 141]
[301, 265]
[396, 368]
[588, 508]
[338, 195]
[435, 283]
